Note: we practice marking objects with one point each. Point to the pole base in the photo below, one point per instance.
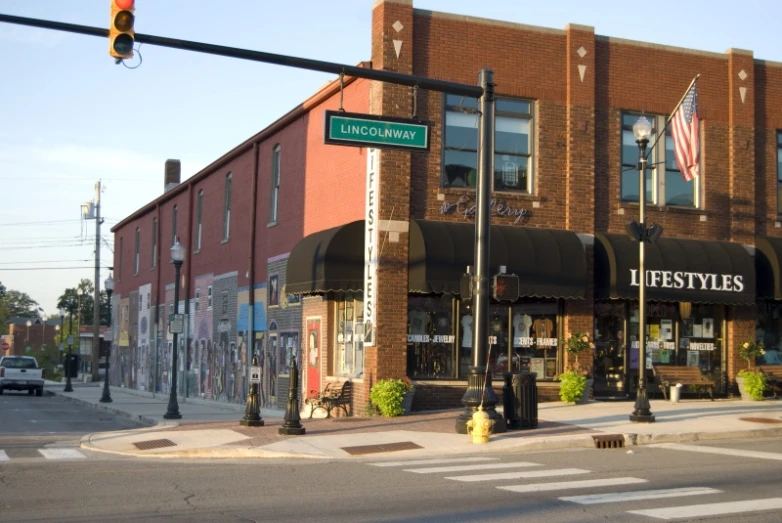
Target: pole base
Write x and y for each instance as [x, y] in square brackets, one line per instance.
[472, 400]
[251, 422]
[106, 400]
[642, 412]
[68, 387]
[291, 431]
[172, 415]
[642, 418]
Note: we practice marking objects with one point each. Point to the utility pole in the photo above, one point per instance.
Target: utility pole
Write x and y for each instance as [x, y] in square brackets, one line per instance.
[96, 306]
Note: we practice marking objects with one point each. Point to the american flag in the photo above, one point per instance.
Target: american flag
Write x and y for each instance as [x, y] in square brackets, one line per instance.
[685, 132]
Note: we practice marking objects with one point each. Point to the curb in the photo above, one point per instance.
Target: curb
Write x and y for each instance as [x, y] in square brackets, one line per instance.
[150, 422]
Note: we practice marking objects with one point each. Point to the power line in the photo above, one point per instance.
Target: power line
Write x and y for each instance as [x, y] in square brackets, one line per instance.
[43, 261]
[48, 222]
[49, 268]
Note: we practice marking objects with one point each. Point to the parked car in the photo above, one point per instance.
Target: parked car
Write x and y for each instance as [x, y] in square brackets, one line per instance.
[21, 373]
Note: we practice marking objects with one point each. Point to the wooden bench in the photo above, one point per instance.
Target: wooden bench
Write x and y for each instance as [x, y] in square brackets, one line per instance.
[669, 375]
[334, 396]
[773, 375]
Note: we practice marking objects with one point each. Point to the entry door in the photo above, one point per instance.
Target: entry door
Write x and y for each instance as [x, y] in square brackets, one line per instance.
[313, 348]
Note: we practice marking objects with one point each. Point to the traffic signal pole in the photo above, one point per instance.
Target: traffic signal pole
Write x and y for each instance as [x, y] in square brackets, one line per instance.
[484, 92]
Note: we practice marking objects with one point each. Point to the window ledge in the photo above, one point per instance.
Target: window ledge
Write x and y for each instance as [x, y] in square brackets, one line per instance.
[663, 209]
[470, 191]
[196, 251]
[271, 224]
[225, 240]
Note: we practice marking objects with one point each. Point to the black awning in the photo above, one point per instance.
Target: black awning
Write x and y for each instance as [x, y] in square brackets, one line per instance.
[676, 270]
[550, 263]
[330, 260]
[768, 253]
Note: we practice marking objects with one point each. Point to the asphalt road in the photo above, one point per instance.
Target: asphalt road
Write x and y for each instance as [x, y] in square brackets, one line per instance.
[722, 484]
[48, 427]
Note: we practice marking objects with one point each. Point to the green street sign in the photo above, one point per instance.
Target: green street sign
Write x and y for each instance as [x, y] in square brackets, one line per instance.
[382, 132]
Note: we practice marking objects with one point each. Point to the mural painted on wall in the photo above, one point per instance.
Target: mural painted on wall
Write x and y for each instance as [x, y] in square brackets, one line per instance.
[143, 353]
[123, 322]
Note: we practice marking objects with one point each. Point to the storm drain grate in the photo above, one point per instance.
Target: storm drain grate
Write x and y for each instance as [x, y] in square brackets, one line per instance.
[609, 441]
[762, 420]
[383, 447]
[154, 444]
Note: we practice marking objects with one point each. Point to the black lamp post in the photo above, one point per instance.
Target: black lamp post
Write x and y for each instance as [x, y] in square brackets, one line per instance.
[642, 413]
[106, 397]
[62, 331]
[177, 257]
[68, 386]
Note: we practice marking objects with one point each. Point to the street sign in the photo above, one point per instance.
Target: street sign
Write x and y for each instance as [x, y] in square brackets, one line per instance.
[69, 339]
[176, 323]
[382, 132]
[5, 346]
[255, 374]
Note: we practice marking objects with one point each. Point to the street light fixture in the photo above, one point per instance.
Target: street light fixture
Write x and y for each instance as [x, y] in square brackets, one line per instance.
[642, 413]
[68, 365]
[177, 257]
[27, 337]
[106, 397]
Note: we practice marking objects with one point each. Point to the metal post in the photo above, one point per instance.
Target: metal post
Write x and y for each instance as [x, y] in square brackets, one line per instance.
[292, 425]
[252, 412]
[96, 305]
[642, 411]
[173, 405]
[68, 385]
[479, 387]
[106, 397]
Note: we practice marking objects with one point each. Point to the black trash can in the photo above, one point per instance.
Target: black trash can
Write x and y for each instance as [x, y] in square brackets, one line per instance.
[520, 400]
[71, 366]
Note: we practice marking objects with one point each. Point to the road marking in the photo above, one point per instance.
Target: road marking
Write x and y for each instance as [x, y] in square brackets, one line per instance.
[711, 509]
[61, 454]
[429, 461]
[616, 497]
[719, 450]
[482, 466]
[563, 485]
[3, 456]
[519, 475]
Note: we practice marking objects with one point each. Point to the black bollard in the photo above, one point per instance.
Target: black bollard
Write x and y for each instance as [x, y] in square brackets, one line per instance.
[292, 425]
[252, 414]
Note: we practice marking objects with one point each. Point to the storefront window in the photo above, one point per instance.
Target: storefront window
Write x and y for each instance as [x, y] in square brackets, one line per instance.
[610, 349]
[431, 339]
[769, 331]
[349, 344]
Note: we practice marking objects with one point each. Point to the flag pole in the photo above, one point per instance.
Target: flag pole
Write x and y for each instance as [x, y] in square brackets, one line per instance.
[668, 120]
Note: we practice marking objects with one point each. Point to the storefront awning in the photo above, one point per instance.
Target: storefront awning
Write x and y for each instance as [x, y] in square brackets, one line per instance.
[768, 258]
[676, 270]
[328, 261]
[550, 263]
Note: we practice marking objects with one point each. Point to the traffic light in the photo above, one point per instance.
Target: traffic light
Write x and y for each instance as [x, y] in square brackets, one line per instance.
[121, 35]
[505, 287]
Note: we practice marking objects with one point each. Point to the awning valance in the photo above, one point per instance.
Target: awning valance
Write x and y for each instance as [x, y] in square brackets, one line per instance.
[768, 254]
[676, 270]
[328, 261]
[549, 262]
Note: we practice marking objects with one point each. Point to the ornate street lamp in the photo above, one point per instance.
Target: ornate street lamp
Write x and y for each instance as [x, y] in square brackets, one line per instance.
[68, 386]
[177, 257]
[106, 397]
[27, 337]
[642, 413]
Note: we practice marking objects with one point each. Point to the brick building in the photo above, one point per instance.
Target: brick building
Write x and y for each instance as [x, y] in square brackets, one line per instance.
[274, 229]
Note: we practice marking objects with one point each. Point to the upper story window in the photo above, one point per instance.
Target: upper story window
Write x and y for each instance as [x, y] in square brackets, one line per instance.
[227, 207]
[119, 262]
[173, 225]
[664, 182]
[199, 214]
[513, 160]
[275, 189]
[779, 172]
[209, 298]
[198, 299]
[154, 243]
[135, 251]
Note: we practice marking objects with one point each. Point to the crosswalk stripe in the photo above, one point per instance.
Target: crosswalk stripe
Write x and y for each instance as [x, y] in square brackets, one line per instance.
[616, 497]
[3, 456]
[61, 454]
[711, 509]
[565, 485]
[482, 466]
[520, 475]
[718, 450]
[429, 462]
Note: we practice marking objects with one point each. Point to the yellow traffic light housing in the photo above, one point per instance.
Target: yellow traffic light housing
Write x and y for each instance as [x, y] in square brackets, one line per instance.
[121, 34]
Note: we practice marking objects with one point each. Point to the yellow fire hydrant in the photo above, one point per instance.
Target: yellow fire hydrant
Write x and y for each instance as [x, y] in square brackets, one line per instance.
[480, 426]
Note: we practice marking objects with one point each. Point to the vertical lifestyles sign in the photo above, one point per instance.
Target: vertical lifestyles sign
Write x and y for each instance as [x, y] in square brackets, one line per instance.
[371, 236]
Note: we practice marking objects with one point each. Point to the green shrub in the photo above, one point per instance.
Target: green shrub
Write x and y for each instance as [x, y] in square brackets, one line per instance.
[754, 383]
[387, 394]
[571, 386]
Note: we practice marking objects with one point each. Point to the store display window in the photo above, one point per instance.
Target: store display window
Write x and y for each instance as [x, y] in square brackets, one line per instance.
[431, 338]
[769, 331]
[349, 343]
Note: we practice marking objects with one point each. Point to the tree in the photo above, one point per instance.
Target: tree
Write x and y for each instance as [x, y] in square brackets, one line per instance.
[20, 304]
[81, 298]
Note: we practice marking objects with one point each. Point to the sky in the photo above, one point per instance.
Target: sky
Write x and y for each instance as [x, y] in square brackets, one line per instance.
[70, 116]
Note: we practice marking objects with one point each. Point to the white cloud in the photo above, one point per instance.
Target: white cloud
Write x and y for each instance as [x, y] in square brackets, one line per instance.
[31, 35]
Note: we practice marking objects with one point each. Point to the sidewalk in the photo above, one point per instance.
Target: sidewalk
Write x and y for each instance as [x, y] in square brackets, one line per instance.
[212, 430]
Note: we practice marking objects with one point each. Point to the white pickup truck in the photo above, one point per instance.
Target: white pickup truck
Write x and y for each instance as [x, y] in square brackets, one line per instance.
[21, 373]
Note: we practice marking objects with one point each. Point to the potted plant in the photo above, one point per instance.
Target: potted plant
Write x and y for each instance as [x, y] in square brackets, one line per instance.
[576, 383]
[752, 383]
[389, 396]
